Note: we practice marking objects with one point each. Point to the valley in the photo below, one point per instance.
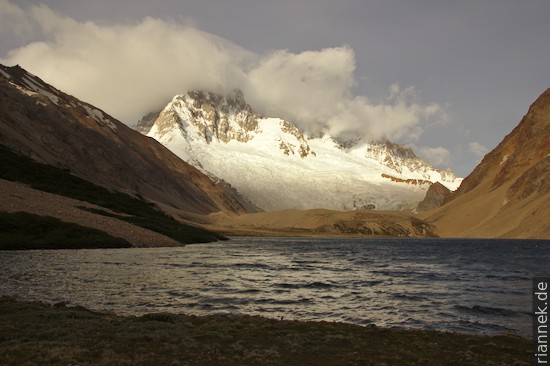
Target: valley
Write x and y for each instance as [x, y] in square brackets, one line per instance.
[220, 166]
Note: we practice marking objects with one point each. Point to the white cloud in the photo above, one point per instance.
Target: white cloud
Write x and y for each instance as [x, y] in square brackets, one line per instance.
[478, 149]
[131, 69]
[437, 156]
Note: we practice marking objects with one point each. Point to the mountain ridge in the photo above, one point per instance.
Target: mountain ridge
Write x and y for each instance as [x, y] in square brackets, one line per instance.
[225, 138]
[507, 194]
[52, 127]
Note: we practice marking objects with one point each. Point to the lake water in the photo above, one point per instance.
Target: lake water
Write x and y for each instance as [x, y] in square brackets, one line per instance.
[474, 286]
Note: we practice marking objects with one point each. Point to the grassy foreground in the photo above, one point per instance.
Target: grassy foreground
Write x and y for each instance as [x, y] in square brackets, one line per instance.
[38, 334]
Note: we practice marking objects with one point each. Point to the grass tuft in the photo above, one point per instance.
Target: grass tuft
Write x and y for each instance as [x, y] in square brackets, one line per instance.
[38, 334]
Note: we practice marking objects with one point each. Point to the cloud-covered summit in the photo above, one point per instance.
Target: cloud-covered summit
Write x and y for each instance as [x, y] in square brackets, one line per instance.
[133, 68]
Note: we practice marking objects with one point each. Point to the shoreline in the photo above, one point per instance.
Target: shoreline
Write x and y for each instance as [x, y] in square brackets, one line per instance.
[37, 333]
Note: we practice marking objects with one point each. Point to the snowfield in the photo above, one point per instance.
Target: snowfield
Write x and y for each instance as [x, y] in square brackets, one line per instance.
[272, 164]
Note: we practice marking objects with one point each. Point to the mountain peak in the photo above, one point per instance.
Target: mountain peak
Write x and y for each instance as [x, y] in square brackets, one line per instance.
[271, 162]
[400, 158]
[392, 154]
[233, 102]
[211, 116]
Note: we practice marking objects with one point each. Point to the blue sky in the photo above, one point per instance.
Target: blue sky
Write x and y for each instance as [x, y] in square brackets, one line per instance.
[450, 78]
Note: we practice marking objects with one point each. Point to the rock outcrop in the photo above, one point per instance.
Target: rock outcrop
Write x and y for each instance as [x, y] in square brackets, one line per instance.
[435, 197]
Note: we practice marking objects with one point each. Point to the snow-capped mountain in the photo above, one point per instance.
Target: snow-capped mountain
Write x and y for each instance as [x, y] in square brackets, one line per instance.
[275, 166]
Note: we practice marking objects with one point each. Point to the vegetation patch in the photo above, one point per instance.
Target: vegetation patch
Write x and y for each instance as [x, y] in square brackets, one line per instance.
[18, 168]
[22, 230]
[38, 334]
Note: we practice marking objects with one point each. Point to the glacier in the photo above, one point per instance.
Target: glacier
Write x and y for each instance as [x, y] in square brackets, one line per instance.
[275, 166]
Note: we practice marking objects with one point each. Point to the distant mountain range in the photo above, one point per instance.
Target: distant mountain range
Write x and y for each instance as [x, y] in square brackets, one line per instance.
[229, 162]
[276, 166]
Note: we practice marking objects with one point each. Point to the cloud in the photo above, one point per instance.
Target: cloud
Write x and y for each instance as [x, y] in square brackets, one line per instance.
[131, 69]
[14, 21]
[438, 156]
[478, 149]
[126, 70]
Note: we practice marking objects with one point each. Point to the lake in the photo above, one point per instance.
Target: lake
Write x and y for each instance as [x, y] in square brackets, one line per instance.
[473, 286]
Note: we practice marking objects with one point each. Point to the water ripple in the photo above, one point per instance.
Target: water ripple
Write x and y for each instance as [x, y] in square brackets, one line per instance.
[475, 286]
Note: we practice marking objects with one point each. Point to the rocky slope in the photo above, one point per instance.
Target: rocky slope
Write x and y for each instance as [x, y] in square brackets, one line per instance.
[52, 127]
[435, 197]
[276, 166]
[17, 197]
[508, 193]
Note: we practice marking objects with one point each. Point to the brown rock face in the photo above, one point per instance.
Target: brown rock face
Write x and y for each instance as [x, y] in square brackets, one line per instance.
[52, 127]
[397, 156]
[435, 196]
[522, 149]
[508, 193]
[213, 114]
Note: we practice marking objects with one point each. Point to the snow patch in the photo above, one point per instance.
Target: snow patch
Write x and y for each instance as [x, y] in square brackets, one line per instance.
[5, 74]
[24, 90]
[504, 159]
[99, 117]
[35, 86]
